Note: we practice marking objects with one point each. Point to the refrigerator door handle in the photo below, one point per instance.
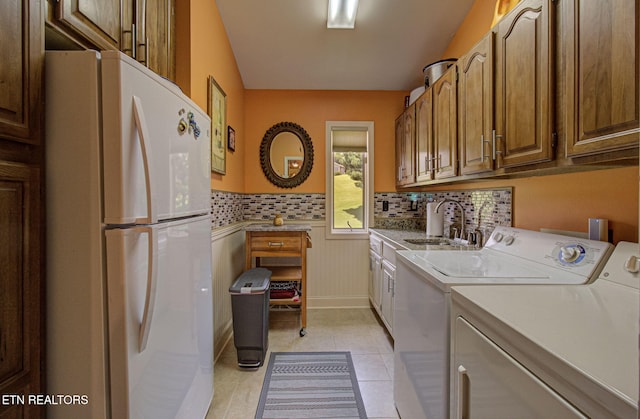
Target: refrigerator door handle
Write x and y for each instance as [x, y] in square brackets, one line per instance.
[152, 282]
[143, 135]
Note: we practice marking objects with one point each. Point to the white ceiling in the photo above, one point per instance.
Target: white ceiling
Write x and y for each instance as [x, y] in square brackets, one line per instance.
[285, 44]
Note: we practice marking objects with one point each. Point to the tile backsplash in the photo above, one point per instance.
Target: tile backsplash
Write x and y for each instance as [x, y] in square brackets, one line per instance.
[292, 206]
[484, 208]
[226, 208]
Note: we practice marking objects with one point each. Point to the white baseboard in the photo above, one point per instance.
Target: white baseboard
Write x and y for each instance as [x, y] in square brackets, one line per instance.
[338, 302]
[222, 340]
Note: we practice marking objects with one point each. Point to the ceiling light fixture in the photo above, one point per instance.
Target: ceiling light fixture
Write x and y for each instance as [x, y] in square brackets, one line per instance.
[342, 14]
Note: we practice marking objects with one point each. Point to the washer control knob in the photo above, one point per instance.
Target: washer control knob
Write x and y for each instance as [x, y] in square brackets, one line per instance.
[632, 264]
[509, 240]
[569, 253]
[498, 237]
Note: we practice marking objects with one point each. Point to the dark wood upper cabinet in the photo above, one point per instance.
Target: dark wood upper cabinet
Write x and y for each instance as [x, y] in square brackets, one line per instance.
[553, 87]
[156, 36]
[143, 29]
[445, 125]
[524, 84]
[99, 22]
[475, 108]
[600, 40]
[424, 137]
[405, 146]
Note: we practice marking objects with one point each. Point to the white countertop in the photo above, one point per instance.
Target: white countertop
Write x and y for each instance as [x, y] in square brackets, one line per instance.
[271, 227]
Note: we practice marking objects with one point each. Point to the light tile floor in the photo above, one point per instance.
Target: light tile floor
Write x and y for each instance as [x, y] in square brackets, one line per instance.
[236, 391]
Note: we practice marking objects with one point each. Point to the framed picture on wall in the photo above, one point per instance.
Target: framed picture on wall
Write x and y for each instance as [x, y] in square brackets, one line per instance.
[218, 114]
[231, 138]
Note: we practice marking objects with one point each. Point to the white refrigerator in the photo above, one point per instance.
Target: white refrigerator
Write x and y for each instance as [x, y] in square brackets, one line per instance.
[129, 305]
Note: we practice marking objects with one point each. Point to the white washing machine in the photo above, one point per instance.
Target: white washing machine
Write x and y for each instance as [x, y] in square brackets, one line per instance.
[540, 351]
[423, 302]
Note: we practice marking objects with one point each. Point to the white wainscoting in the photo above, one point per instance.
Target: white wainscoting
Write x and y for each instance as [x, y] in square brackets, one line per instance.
[227, 247]
[337, 273]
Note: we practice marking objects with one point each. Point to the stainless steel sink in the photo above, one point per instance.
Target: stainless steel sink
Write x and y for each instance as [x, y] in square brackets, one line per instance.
[434, 241]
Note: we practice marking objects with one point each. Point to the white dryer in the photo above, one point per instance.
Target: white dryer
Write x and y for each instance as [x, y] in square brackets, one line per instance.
[422, 304]
[549, 351]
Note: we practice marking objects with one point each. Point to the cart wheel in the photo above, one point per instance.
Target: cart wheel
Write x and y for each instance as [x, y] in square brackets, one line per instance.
[302, 332]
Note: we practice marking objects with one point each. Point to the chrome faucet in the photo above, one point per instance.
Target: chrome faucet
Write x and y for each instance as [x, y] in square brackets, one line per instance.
[461, 214]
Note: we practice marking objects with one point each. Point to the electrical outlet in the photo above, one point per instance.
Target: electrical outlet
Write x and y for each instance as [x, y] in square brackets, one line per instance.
[385, 205]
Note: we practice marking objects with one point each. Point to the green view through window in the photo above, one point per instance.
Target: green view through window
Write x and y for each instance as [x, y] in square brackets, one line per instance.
[349, 190]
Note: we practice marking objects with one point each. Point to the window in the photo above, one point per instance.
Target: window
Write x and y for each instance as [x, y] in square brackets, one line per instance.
[349, 178]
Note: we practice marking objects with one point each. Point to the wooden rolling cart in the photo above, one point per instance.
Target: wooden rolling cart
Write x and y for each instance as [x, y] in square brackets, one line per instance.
[267, 245]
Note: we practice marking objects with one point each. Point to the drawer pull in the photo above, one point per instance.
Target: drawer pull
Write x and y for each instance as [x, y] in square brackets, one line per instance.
[276, 244]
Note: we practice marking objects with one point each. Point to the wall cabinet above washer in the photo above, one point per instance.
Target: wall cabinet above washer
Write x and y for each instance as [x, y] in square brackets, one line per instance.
[552, 88]
[475, 108]
[524, 93]
[600, 41]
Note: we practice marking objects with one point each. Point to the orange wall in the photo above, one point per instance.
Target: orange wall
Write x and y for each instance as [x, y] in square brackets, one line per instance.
[203, 50]
[311, 109]
[474, 26]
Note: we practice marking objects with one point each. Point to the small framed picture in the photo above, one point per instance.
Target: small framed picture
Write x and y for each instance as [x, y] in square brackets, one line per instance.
[231, 138]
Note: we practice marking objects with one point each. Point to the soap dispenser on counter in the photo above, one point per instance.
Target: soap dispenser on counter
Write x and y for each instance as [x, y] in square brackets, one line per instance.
[435, 219]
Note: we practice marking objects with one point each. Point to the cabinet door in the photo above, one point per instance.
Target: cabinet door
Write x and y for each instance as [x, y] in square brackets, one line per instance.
[156, 36]
[601, 78]
[524, 86]
[21, 298]
[424, 137]
[99, 22]
[21, 70]
[399, 146]
[386, 304]
[475, 108]
[445, 128]
[405, 149]
[375, 279]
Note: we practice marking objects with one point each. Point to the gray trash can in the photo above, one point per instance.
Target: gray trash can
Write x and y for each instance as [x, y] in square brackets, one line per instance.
[250, 307]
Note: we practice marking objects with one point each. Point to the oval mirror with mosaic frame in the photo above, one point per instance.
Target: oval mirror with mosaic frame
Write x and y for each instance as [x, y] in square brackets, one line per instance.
[286, 154]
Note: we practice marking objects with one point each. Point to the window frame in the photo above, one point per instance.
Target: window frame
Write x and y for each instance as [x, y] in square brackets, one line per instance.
[360, 233]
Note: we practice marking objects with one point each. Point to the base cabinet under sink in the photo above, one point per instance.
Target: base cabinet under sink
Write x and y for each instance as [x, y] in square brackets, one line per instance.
[375, 281]
[387, 291]
[382, 268]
